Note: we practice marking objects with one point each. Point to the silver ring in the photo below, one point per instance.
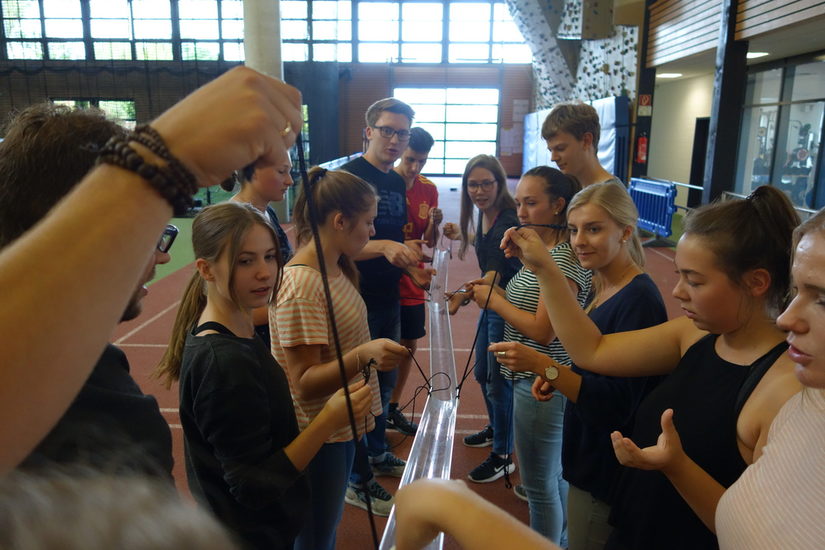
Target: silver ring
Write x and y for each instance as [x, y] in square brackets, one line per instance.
[501, 353]
[287, 129]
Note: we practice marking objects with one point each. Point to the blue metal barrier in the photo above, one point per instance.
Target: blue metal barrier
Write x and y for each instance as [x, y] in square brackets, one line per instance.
[655, 201]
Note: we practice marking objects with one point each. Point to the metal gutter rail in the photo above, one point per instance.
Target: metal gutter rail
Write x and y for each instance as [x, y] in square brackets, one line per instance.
[431, 454]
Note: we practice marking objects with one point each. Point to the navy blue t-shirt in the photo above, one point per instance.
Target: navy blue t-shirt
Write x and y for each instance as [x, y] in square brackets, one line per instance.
[608, 403]
[488, 247]
[379, 278]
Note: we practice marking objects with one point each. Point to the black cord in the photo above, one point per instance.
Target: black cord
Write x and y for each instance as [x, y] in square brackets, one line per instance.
[467, 369]
[550, 225]
[313, 221]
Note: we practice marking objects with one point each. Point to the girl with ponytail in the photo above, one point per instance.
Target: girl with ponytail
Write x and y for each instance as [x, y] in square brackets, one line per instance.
[602, 222]
[260, 186]
[302, 338]
[244, 452]
[728, 373]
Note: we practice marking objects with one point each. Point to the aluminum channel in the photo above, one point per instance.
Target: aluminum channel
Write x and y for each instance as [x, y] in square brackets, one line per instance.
[431, 455]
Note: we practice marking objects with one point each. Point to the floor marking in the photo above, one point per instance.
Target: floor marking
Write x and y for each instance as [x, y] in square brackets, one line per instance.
[662, 254]
[147, 323]
[143, 345]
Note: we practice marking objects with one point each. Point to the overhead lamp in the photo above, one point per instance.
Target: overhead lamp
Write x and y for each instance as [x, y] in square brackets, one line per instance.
[756, 55]
[668, 75]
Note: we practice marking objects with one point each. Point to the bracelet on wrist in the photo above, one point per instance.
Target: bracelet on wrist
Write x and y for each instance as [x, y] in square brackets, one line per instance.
[173, 181]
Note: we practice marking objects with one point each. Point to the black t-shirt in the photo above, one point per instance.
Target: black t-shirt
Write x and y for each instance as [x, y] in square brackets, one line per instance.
[237, 418]
[608, 403]
[379, 278]
[110, 425]
[488, 247]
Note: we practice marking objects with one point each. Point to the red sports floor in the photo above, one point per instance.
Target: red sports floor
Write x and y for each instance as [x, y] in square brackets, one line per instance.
[145, 338]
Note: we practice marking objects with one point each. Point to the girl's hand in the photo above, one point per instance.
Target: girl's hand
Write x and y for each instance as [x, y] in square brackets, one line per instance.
[542, 390]
[336, 406]
[459, 298]
[451, 231]
[662, 456]
[386, 353]
[518, 357]
[526, 245]
[481, 291]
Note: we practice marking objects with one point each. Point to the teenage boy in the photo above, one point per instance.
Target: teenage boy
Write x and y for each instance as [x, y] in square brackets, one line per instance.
[111, 424]
[423, 217]
[380, 265]
[571, 131]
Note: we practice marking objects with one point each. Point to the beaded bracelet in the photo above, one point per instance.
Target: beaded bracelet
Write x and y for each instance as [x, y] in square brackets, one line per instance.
[173, 181]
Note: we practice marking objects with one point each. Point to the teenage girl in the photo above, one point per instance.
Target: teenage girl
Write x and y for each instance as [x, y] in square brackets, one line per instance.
[302, 338]
[728, 375]
[260, 186]
[602, 220]
[777, 502]
[542, 197]
[484, 186]
[244, 453]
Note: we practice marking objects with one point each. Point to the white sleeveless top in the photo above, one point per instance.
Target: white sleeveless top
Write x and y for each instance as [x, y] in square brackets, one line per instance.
[779, 501]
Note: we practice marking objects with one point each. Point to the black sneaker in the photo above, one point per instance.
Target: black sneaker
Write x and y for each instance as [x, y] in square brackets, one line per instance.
[492, 469]
[484, 438]
[521, 492]
[398, 422]
[380, 500]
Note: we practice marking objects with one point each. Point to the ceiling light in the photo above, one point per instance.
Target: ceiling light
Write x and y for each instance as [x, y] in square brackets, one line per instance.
[756, 55]
[668, 75]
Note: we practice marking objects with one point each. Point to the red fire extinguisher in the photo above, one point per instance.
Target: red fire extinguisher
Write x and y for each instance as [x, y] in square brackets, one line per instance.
[641, 148]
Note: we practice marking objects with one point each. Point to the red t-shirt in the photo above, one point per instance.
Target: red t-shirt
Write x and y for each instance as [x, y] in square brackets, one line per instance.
[421, 197]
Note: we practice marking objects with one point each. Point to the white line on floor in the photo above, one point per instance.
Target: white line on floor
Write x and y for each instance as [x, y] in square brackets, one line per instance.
[142, 345]
[146, 323]
[416, 415]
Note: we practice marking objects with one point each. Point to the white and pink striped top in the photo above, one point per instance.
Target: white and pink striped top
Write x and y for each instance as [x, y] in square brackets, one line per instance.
[301, 318]
[779, 501]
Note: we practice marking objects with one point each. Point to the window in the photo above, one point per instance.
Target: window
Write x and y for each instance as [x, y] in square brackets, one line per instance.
[781, 133]
[367, 31]
[121, 111]
[463, 122]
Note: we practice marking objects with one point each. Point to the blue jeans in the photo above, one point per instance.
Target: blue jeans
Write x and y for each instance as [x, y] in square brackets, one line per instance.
[496, 389]
[538, 445]
[327, 474]
[384, 322]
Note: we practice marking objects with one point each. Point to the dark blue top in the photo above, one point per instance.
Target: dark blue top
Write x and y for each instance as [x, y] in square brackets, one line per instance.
[487, 245]
[110, 425]
[379, 278]
[607, 403]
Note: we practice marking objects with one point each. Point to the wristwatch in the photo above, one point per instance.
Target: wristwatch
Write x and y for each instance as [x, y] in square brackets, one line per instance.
[551, 372]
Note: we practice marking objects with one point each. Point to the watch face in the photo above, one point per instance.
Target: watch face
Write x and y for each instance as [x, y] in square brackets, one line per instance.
[551, 372]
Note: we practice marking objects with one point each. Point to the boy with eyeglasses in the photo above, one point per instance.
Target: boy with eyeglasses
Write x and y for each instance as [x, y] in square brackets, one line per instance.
[111, 424]
[380, 265]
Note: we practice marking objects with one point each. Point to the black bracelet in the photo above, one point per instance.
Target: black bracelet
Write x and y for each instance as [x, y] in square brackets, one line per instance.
[174, 182]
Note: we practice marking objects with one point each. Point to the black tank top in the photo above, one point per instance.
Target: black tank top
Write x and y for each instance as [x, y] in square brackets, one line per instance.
[647, 510]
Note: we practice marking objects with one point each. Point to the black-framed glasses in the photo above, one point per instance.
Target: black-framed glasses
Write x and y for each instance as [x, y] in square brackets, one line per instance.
[167, 238]
[387, 132]
[484, 184]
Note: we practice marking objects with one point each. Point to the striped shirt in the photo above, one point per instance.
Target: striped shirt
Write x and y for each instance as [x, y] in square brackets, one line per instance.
[523, 292]
[779, 501]
[301, 319]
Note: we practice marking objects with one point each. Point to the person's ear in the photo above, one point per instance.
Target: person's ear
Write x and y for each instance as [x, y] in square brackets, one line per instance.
[205, 270]
[758, 281]
[587, 140]
[558, 205]
[627, 232]
[338, 221]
